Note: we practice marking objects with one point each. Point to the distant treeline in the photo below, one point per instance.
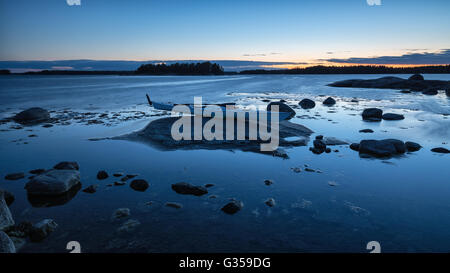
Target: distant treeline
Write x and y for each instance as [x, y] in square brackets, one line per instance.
[205, 68]
[78, 72]
[4, 72]
[360, 69]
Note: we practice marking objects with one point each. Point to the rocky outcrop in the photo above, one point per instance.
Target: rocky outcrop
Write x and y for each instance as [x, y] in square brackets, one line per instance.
[381, 148]
[6, 219]
[307, 104]
[53, 182]
[186, 188]
[372, 114]
[6, 244]
[282, 107]
[33, 115]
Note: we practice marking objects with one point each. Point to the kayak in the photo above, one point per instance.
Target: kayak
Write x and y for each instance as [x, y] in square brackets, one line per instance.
[223, 106]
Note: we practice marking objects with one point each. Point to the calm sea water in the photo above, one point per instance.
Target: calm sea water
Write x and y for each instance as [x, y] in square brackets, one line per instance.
[403, 202]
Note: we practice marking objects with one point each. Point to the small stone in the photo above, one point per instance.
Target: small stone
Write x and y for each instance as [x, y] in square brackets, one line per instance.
[37, 171]
[66, 165]
[102, 175]
[232, 207]
[329, 101]
[127, 177]
[440, 150]
[117, 174]
[14, 176]
[117, 183]
[186, 188]
[332, 183]
[268, 182]
[139, 185]
[91, 189]
[270, 202]
[310, 170]
[121, 213]
[173, 205]
[296, 170]
[366, 131]
[208, 185]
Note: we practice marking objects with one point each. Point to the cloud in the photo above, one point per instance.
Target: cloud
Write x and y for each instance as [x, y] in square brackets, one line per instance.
[373, 2]
[73, 2]
[441, 57]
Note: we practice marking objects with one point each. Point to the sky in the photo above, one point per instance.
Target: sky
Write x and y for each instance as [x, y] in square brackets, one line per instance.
[287, 33]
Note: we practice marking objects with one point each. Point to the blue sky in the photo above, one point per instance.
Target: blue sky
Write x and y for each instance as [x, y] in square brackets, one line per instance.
[279, 31]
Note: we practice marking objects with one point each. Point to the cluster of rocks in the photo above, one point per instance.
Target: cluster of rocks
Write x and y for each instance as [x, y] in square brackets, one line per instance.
[321, 143]
[309, 104]
[385, 147]
[376, 114]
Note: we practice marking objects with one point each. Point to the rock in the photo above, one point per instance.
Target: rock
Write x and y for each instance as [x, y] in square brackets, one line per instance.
[307, 104]
[6, 244]
[233, 207]
[14, 176]
[42, 230]
[372, 114]
[282, 107]
[270, 202]
[102, 175]
[332, 183]
[392, 116]
[9, 197]
[67, 165]
[382, 148]
[320, 137]
[268, 182]
[37, 171]
[186, 188]
[447, 92]
[139, 185]
[91, 189]
[121, 213]
[354, 146]
[21, 230]
[117, 174]
[6, 219]
[328, 150]
[333, 141]
[405, 91]
[127, 177]
[319, 144]
[430, 92]
[47, 125]
[329, 101]
[366, 131]
[46, 200]
[309, 170]
[416, 77]
[33, 115]
[129, 225]
[121, 183]
[296, 170]
[174, 205]
[412, 146]
[209, 185]
[440, 150]
[53, 182]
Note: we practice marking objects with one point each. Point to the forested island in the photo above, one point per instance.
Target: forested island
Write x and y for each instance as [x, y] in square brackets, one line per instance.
[205, 68]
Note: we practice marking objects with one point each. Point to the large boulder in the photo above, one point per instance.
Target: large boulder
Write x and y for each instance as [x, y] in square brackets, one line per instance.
[392, 116]
[53, 182]
[382, 148]
[6, 219]
[329, 101]
[186, 188]
[307, 104]
[282, 107]
[372, 114]
[416, 77]
[6, 245]
[32, 116]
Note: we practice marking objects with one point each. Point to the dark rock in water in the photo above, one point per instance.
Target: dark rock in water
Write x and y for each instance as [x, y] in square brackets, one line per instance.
[327, 150]
[6, 245]
[37, 171]
[319, 137]
[117, 174]
[127, 177]
[186, 188]
[447, 92]
[430, 92]
[139, 185]
[316, 151]
[382, 148]
[392, 116]
[405, 91]
[102, 175]
[53, 182]
[333, 141]
[67, 165]
[91, 189]
[268, 182]
[121, 183]
[9, 197]
[319, 144]
[209, 185]
[412, 146]
[22, 229]
[174, 205]
[233, 207]
[372, 114]
[42, 230]
[6, 219]
[354, 147]
[32, 116]
[282, 107]
[14, 176]
[307, 104]
[329, 101]
[366, 131]
[416, 77]
[440, 150]
[121, 213]
[270, 202]
[40, 201]
[47, 125]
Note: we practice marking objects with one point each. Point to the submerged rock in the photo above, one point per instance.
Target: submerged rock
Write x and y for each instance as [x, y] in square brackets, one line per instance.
[354, 146]
[233, 207]
[307, 104]
[33, 115]
[268, 182]
[174, 205]
[329, 101]
[139, 185]
[42, 230]
[440, 150]
[372, 114]
[6, 244]
[129, 225]
[382, 148]
[53, 182]
[333, 141]
[412, 146]
[14, 176]
[392, 116]
[102, 175]
[67, 165]
[121, 213]
[366, 131]
[282, 107]
[40, 201]
[270, 202]
[37, 171]
[6, 219]
[186, 188]
[91, 189]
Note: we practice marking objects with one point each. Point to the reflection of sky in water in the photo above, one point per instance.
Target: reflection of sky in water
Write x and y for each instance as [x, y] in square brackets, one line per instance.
[401, 202]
